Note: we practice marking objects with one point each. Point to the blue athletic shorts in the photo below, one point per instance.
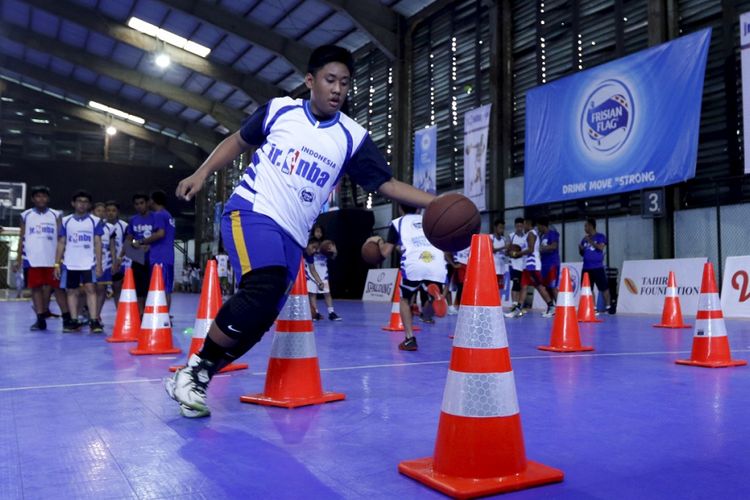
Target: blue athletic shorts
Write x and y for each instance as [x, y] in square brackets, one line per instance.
[254, 241]
[167, 272]
[106, 277]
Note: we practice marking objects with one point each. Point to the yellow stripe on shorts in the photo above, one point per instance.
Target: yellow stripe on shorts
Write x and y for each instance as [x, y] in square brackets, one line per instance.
[239, 242]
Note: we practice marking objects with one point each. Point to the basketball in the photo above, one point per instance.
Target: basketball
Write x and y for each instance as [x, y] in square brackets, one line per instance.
[327, 246]
[514, 250]
[449, 222]
[371, 253]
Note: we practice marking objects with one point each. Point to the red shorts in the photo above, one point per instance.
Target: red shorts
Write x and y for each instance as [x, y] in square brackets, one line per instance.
[460, 273]
[533, 278]
[41, 276]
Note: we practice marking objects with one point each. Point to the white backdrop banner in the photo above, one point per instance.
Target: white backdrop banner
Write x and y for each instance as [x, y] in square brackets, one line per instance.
[575, 277]
[476, 131]
[735, 289]
[643, 285]
[379, 286]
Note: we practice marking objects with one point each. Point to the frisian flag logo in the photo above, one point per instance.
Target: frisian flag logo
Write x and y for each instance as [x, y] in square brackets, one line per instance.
[607, 118]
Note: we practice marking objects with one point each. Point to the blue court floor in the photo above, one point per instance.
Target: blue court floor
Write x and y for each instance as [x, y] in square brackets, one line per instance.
[81, 418]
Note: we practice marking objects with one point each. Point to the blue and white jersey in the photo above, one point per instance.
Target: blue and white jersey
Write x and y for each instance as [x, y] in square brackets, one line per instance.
[39, 237]
[420, 260]
[299, 161]
[462, 256]
[79, 234]
[119, 228]
[534, 259]
[108, 234]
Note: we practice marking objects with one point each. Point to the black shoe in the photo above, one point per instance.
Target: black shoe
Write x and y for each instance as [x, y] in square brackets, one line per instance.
[50, 314]
[409, 344]
[334, 317]
[71, 326]
[40, 325]
[611, 310]
[317, 317]
[96, 326]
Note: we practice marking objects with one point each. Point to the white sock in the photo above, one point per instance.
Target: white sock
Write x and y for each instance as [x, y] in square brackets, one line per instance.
[330, 310]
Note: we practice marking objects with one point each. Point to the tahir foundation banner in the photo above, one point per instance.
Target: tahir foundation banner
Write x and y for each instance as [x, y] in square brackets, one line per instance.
[476, 133]
[626, 125]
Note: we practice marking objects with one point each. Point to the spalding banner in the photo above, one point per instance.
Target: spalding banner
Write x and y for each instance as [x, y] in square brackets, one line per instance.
[643, 285]
[735, 289]
[379, 285]
[622, 126]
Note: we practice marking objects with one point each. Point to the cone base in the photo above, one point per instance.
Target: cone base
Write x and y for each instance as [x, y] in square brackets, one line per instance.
[712, 364]
[229, 368]
[660, 325]
[144, 352]
[121, 339]
[392, 329]
[260, 399]
[565, 349]
[590, 320]
[536, 474]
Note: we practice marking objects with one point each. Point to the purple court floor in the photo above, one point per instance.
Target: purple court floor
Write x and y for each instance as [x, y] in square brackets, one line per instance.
[81, 418]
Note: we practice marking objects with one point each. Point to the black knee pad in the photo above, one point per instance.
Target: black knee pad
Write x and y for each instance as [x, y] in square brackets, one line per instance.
[252, 310]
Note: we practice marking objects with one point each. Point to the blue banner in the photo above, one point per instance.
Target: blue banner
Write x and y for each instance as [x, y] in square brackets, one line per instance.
[425, 159]
[622, 126]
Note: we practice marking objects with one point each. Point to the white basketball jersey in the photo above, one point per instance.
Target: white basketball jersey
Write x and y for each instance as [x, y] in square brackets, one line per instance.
[500, 259]
[79, 241]
[420, 260]
[119, 228]
[290, 183]
[222, 265]
[534, 260]
[462, 256]
[108, 231]
[518, 263]
[40, 237]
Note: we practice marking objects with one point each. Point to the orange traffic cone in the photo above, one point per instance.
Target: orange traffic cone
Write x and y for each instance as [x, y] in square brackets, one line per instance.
[396, 324]
[208, 306]
[565, 335]
[671, 316]
[156, 330]
[586, 306]
[293, 376]
[479, 448]
[128, 320]
[710, 343]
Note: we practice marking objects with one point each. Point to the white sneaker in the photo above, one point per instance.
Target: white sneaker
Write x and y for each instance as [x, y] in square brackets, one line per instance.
[514, 313]
[549, 313]
[452, 311]
[188, 387]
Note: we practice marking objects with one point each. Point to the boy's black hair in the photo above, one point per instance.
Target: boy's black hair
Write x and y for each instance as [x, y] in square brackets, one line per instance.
[408, 209]
[312, 239]
[591, 221]
[543, 221]
[498, 221]
[519, 220]
[39, 189]
[112, 203]
[327, 54]
[159, 197]
[81, 194]
[99, 204]
[139, 196]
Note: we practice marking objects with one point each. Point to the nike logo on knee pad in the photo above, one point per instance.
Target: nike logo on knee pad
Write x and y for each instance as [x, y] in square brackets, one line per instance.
[235, 331]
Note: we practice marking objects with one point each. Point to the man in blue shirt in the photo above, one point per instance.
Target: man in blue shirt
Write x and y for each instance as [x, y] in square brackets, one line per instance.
[162, 241]
[139, 234]
[592, 250]
[550, 252]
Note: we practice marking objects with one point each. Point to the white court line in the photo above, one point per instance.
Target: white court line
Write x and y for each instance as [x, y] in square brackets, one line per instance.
[346, 368]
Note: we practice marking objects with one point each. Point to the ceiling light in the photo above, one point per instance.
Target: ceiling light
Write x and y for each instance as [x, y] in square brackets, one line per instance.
[162, 60]
[6, 99]
[171, 166]
[37, 120]
[116, 112]
[168, 36]
[111, 130]
[39, 110]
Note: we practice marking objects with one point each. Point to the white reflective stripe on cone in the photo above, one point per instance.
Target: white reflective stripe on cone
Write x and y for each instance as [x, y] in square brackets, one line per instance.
[395, 308]
[671, 291]
[155, 321]
[480, 394]
[566, 299]
[201, 328]
[710, 328]
[128, 295]
[157, 298]
[480, 327]
[586, 291]
[297, 307]
[709, 302]
[293, 346]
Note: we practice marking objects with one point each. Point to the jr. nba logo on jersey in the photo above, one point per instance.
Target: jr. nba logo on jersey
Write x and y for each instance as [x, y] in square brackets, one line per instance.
[290, 162]
[607, 118]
